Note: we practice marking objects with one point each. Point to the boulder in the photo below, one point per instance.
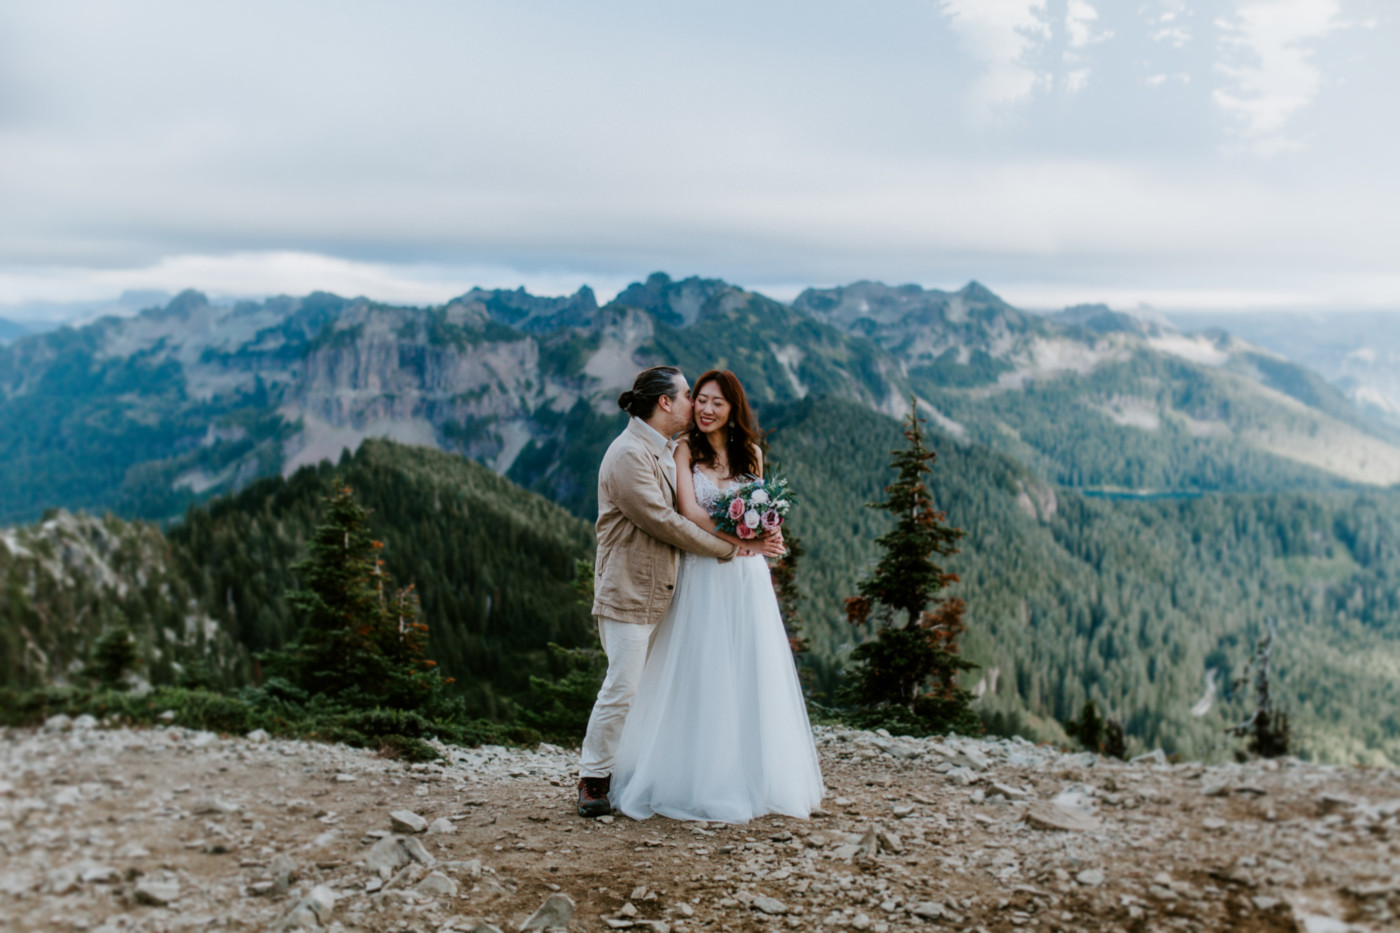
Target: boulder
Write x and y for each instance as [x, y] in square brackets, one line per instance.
[556, 911]
[406, 821]
[1046, 815]
[386, 857]
[284, 872]
[415, 851]
[311, 912]
[157, 893]
[929, 910]
[100, 874]
[442, 825]
[890, 842]
[437, 885]
[769, 905]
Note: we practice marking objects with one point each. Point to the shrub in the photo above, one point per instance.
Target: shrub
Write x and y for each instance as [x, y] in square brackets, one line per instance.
[406, 748]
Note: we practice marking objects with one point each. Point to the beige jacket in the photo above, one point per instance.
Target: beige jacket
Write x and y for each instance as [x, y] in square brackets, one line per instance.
[640, 533]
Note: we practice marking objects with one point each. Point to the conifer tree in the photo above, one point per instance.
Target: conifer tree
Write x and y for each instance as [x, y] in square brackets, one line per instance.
[113, 655]
[905, 677]
[360, 640]
[1098, 733]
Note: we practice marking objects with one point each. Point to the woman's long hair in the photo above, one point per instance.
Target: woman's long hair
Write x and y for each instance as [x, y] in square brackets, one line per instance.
[742, 431]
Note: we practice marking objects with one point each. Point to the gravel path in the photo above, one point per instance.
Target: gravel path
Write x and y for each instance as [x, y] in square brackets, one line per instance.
[169, 829]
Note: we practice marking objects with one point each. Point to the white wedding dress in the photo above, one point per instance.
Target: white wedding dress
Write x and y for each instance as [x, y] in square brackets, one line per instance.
[718, 729]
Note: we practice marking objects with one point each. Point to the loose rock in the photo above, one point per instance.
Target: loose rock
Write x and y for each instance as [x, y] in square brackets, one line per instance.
[438, 885]
[769, 905]
[1046, 815]
[406, 821]
[556, 911]
[157, 893]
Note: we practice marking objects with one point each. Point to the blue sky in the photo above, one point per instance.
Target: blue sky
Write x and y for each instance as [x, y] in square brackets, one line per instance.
[1222, 154]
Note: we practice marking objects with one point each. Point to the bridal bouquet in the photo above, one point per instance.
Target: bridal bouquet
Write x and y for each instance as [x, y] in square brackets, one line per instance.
[753, 509]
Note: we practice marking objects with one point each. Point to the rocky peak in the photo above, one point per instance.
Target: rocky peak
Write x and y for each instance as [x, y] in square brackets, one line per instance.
[679, 304]
[869, 307]
[535, 314]
[1101, 319]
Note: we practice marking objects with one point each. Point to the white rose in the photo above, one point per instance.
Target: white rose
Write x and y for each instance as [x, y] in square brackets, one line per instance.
[751, 518]
[781, 505]
[759, 496]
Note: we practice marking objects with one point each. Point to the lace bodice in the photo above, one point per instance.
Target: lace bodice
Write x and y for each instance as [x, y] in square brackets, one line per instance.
[706, 492]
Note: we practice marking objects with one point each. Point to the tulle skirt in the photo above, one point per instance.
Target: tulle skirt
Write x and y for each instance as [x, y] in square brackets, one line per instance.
[718, 729]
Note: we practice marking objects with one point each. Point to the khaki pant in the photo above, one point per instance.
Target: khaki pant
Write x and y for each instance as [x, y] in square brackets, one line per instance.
[627, 645]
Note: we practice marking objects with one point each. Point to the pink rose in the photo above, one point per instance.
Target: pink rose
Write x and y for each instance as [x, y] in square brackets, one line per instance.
[737, 508]
[771, 520]
[745, 531]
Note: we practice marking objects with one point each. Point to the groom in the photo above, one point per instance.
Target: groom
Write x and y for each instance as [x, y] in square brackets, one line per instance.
[640, 536]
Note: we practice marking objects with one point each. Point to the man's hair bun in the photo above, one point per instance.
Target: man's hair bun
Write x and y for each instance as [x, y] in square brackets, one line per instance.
[624, 401]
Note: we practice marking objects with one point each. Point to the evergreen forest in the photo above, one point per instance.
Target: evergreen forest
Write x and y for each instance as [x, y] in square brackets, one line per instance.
[1126, 602]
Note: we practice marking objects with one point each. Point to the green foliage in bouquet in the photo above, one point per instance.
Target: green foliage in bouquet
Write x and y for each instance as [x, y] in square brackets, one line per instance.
[905, 678]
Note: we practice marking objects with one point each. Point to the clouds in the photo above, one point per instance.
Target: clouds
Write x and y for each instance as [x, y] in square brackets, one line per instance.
[1000, 34]
[1270, 66]
[411, 151]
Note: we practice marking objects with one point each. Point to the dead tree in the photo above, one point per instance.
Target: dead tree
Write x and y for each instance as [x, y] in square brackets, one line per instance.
[1266, 730]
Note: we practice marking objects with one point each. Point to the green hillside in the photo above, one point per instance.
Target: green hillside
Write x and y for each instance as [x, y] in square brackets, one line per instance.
[492, 564]
[69, 578]
[1127, 602]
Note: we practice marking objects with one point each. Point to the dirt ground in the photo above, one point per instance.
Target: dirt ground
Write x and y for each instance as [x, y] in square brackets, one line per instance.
[168, 829]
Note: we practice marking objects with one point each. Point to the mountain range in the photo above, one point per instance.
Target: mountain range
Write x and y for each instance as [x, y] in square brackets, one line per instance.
[1357, 351]
[149, 413]
[1138, 497]
[9, 330]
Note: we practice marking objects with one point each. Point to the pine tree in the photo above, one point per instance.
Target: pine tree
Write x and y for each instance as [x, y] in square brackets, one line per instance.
[1098, 733]
[906, 676]
[360, 640]
[113, 655]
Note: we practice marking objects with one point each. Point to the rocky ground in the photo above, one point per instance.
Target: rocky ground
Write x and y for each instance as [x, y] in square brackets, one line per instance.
[168, 829]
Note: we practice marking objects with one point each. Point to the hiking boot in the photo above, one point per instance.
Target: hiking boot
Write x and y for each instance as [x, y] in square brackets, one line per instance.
[593, 796]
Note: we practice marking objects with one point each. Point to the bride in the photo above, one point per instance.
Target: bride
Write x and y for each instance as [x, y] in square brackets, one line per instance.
[718, 729]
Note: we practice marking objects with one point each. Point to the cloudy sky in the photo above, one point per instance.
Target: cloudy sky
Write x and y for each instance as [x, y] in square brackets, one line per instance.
[1187, 154]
